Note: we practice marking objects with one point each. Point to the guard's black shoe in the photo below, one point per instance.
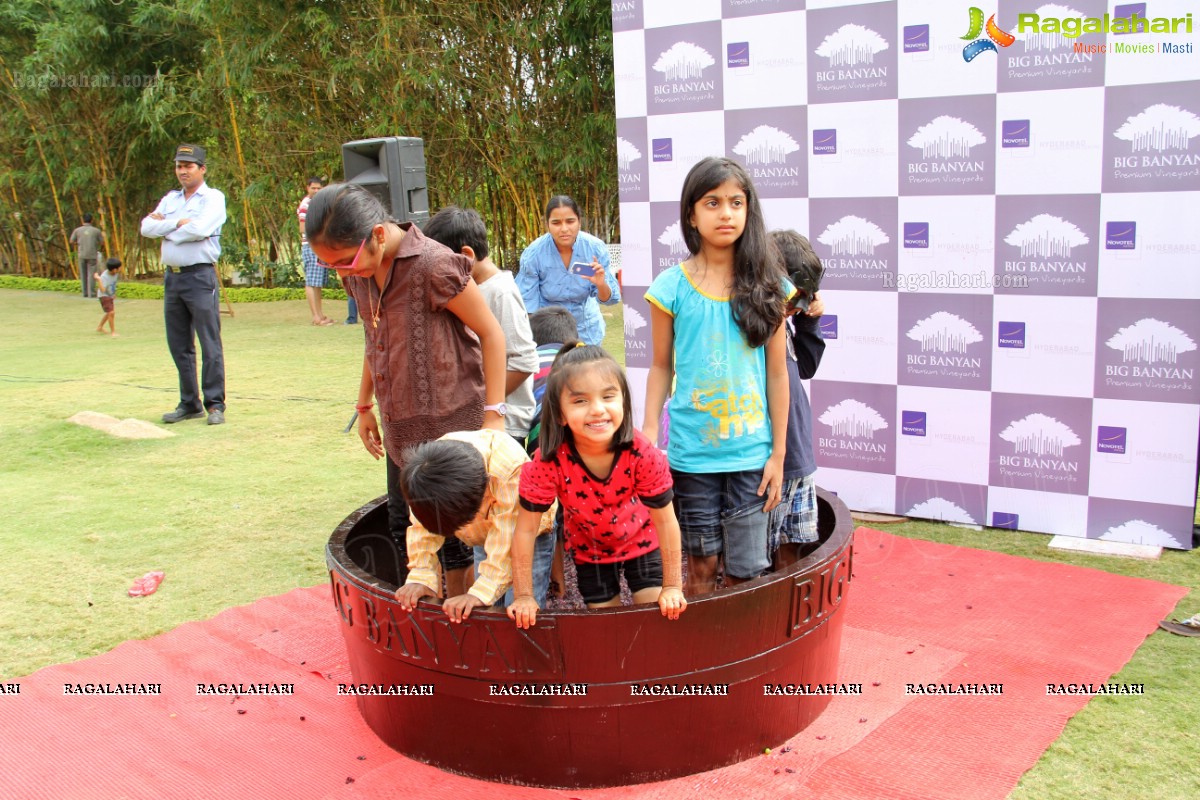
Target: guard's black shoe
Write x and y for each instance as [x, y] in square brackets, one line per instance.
[181, 414]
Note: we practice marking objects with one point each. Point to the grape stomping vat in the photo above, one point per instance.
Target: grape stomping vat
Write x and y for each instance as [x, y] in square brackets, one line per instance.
[590, 698]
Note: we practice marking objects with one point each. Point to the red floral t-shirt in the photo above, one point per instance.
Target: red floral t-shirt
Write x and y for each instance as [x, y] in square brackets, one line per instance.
[605, 520]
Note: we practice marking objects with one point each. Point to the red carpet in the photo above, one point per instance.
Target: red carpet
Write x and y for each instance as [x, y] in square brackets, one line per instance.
[918, 613]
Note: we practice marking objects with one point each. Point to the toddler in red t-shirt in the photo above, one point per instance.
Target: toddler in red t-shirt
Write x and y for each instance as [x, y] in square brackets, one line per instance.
[614, 487]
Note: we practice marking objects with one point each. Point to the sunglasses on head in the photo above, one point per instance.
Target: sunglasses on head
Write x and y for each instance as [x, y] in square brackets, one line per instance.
[351, 264]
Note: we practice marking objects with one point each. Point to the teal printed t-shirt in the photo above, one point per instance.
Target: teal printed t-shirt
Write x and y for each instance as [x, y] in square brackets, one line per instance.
[719, 418]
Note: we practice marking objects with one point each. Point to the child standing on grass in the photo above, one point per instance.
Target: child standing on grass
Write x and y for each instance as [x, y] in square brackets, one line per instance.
[793, 523]
[717, 324]
[106, 290]
[613, 485]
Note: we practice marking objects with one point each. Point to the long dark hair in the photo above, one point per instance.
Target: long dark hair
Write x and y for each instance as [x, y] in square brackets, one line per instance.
[343, 214]
[757, 299]
[799, 261]
[571, 360]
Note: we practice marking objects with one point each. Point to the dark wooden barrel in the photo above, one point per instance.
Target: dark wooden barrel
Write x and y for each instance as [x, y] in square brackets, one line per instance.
[591, 698]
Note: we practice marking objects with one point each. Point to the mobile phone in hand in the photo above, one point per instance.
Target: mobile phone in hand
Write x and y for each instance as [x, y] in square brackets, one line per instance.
[583, 268]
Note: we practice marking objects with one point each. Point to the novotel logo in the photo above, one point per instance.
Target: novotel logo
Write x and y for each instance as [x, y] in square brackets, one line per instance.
[1014, 133]
[912, 423]
[916, 235]
[829, 326]
[916, 38]
[824, 142]
[1006, 520]
[1120, 236]
[1111, 439]
[1010, 334]
[661, 149]
[737, 54]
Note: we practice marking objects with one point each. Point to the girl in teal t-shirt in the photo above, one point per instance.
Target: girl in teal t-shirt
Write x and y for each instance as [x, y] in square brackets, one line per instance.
[717, 323]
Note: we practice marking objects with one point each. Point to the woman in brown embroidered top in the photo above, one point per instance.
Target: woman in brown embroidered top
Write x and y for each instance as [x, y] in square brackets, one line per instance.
[435, 355]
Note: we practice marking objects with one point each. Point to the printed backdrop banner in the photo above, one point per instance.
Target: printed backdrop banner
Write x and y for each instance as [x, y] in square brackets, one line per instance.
[1005, 200]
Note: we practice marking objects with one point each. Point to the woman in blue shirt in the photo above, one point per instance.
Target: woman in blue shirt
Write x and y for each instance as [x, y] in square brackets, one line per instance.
[548, 277]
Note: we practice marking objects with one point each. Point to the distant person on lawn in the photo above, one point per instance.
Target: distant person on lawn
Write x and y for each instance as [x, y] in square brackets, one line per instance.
[315, 276]
[88, 240]
[106, 284]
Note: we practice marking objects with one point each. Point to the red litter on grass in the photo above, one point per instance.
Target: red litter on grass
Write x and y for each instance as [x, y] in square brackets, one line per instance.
[147, 584]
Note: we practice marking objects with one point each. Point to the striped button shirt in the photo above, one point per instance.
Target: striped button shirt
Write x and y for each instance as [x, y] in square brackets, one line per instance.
[493, 527]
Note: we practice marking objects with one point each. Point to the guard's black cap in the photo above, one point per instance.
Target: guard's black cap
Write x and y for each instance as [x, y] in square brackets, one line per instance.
[190, 152]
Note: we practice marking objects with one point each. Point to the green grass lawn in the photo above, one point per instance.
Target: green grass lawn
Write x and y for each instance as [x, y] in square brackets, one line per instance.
[242, 511]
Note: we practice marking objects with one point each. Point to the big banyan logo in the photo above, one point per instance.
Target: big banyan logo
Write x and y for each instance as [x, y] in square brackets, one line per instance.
[977, 45]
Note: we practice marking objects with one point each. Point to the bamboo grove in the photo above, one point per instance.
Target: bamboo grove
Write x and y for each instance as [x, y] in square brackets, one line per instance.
[514, 99]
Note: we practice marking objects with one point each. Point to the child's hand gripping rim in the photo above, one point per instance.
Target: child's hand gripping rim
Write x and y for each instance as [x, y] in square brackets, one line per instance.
[523, 611]
[671, 602]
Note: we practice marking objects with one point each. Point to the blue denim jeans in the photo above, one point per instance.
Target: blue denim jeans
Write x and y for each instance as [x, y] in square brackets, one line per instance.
[721, 512]
[543, 555]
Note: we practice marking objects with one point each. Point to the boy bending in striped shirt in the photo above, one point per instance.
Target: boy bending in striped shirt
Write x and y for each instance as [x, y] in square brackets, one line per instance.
[465, 484]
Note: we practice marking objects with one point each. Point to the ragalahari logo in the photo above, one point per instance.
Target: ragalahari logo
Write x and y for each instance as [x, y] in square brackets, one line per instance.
[940, 508]
[672, 239]
[634, 321]
[996, 36]
[944, 332]
[1039, 435]
[1151, 341]
[853, 419]
[1051, 39]
[1046, 236]
[851, 45]
[853, 236]
[766, 144]
[627, 153]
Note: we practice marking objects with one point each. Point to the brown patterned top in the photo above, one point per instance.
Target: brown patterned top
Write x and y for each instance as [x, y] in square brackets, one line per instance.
[426, 364]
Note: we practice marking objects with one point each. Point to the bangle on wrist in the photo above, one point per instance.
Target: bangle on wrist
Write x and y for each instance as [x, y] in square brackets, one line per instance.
[364, 407]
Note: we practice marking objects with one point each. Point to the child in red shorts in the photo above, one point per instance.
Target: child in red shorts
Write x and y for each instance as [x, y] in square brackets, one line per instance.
[106, 290]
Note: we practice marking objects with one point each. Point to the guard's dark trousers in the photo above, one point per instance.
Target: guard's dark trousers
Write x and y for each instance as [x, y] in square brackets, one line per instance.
[191, 308]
